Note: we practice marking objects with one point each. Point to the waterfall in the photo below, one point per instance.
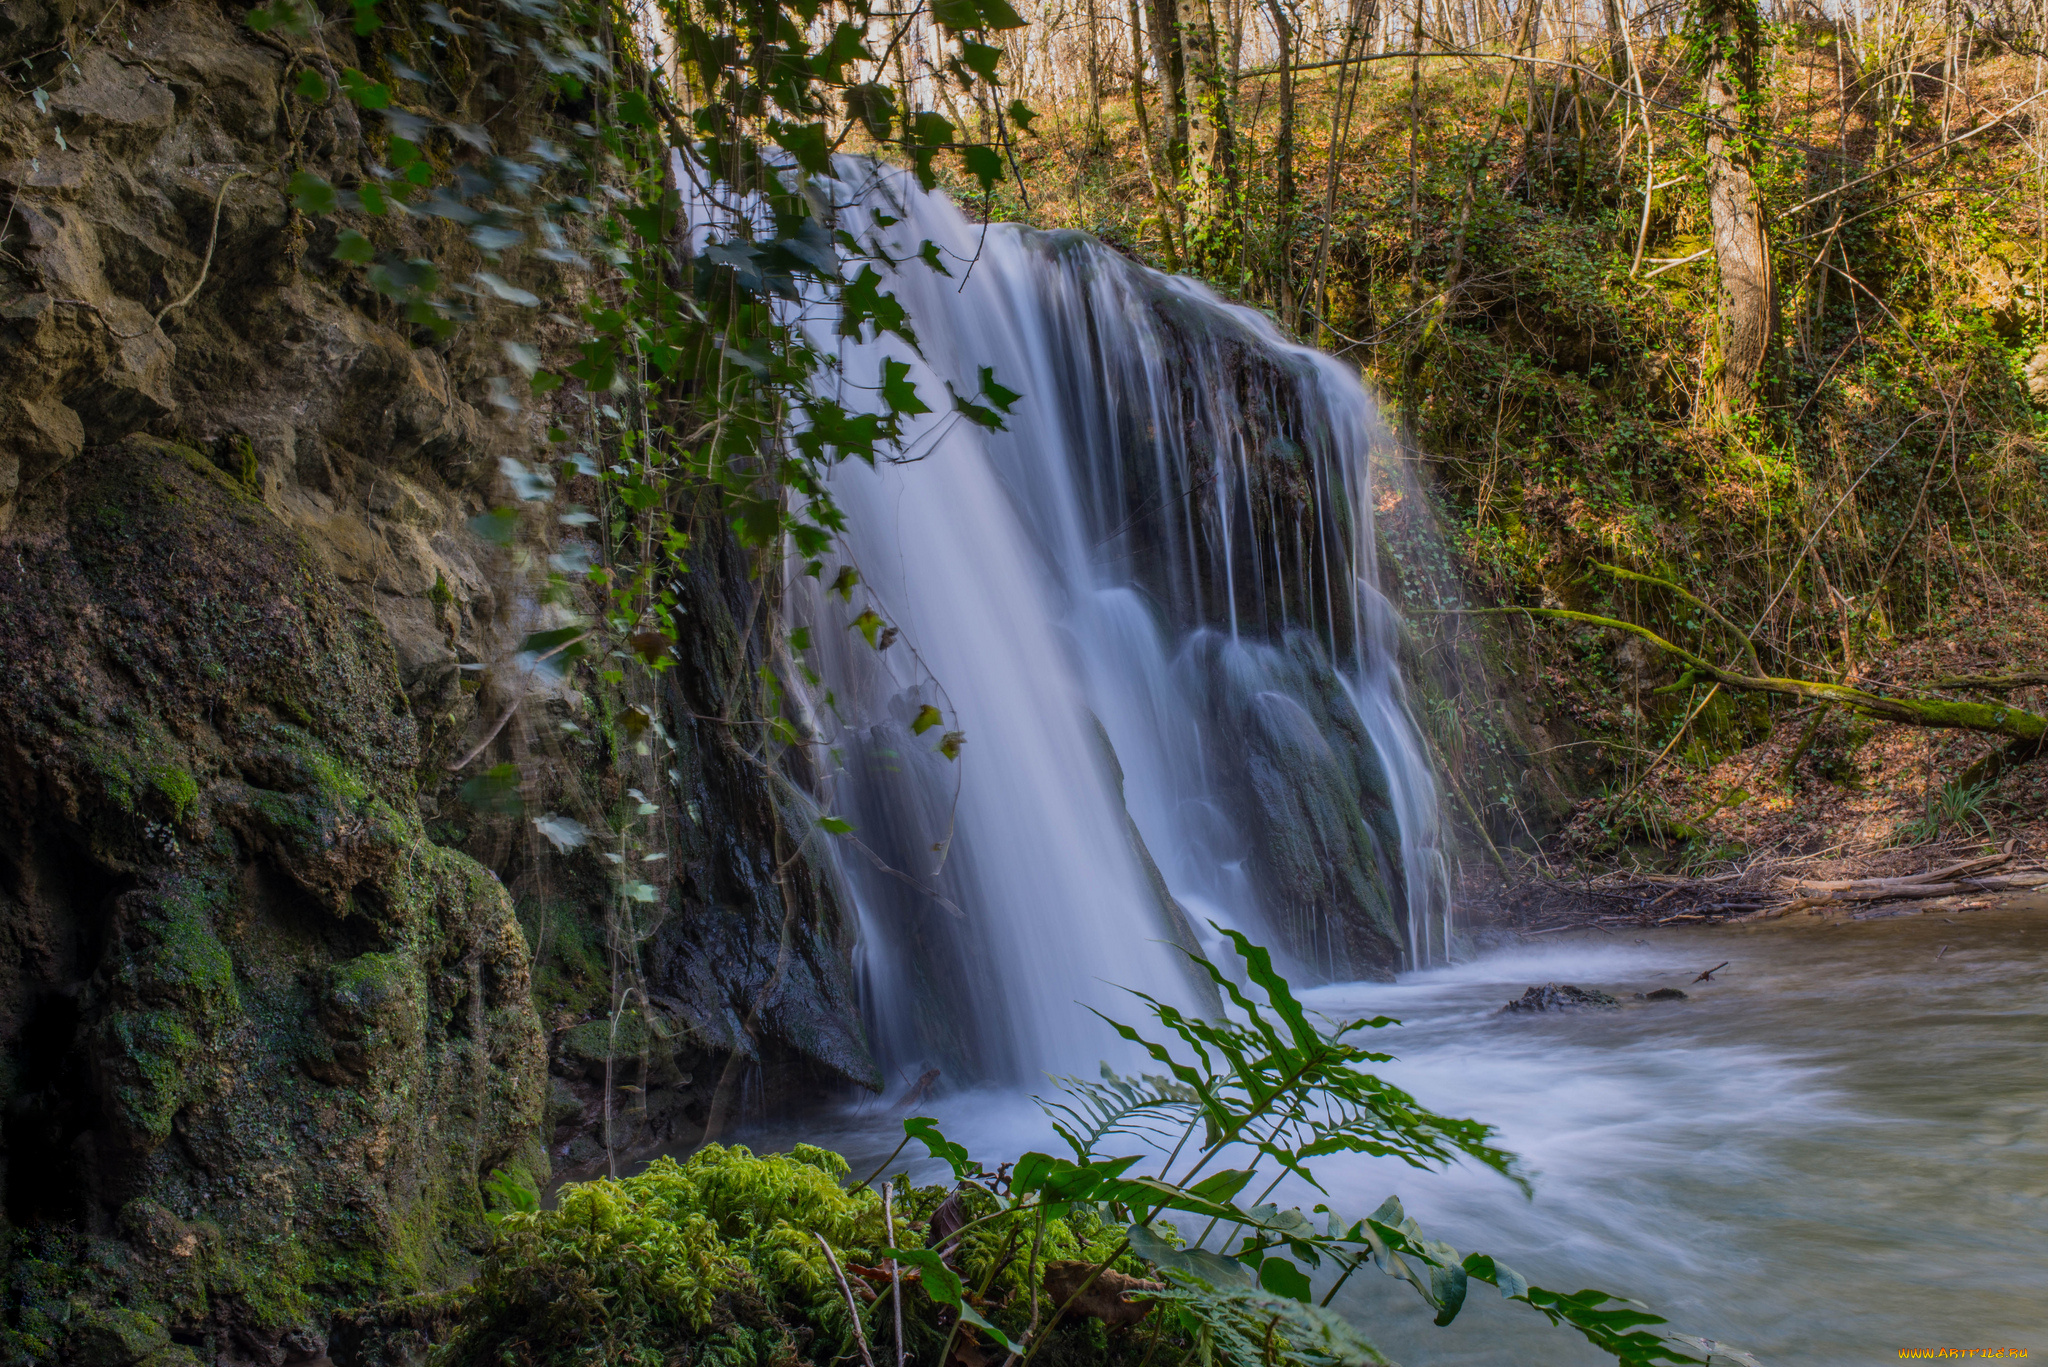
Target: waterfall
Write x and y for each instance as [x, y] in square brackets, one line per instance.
[1150, 604]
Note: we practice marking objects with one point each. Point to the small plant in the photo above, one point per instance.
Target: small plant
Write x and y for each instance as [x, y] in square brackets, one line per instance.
[732, 1257]
[1956, 807]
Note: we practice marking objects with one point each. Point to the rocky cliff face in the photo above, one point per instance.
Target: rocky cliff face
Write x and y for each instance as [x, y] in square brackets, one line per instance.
[268, 1012]
[264, 1036]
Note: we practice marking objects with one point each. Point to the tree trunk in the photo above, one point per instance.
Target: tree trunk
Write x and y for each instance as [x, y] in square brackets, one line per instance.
[1211, 167]
[1163, 29]
[1617, 50]
[1162, 194]
[1095, 138]
[1283, 141]
[1746, 302]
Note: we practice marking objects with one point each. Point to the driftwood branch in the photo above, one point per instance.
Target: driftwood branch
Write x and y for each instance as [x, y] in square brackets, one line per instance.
[860, 1335]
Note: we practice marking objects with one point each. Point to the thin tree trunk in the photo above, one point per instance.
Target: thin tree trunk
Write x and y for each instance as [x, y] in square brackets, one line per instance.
[1283, 156]
[1164, 29]
[1356, 30]
[1094, 80]
[1745, 300]
[1617, 50]
[1211, 162]
[1162, 191]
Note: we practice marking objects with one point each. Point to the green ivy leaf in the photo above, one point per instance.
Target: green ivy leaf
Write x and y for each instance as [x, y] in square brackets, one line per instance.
[980, 58]
[863, 301]
[364, 91]
[312, 86]
[997, 14]
[495, 790]
[897, 390]
[927, 717]
[808, 143]
[833, 825]
[964, 15]
[496, 526]
[869, 624]
[1003, 399]
[932, 130]
[353, 246]
[984, 163]
[1283, 1278]
[288, 15]
[874, 105]
[311, 194]
[634, 109]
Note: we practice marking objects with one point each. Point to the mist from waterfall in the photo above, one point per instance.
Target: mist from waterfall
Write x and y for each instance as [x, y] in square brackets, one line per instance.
[1120, 602]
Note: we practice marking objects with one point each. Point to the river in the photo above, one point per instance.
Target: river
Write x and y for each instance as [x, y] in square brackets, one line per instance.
[1835, 1150]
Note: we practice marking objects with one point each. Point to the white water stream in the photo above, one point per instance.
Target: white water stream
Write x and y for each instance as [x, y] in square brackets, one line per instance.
[1087, 596]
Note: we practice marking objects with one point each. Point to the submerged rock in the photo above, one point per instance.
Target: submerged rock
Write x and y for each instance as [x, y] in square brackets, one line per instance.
[1662, 994]
[1552, 997]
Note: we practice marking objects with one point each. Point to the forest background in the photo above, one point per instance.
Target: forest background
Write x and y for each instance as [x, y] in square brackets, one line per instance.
[1723, 320]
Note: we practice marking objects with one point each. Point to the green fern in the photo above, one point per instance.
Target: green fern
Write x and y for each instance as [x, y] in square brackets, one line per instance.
[1148, 1105]
[1243, 1327]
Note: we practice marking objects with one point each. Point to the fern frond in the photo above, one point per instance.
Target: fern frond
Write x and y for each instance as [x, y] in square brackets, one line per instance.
[1150, 1105]
[1251, 1328]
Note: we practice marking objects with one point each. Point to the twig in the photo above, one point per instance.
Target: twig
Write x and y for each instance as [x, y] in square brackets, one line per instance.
[895, 1270]
[852, 1306]
[1674, 265]
[212, 240]
[1676, 737]
[489, 736]
[870, 1178]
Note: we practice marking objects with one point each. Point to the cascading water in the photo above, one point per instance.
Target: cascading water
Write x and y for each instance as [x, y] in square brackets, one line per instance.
[1150, 605]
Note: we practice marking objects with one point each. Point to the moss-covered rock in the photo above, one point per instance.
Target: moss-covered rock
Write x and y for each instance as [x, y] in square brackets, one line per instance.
[262, 1038]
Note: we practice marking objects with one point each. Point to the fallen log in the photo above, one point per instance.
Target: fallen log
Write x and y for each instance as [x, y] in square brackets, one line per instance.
[1991, 683]
[1968, 866]
[1914, 892]
[2027, 733]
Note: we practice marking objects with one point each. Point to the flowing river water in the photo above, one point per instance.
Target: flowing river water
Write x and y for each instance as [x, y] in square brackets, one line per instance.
[1834, 1151]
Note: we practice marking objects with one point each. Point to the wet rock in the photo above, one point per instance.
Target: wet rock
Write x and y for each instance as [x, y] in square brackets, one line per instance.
[565, 1107]
[1553, 997]
[1662, 994]
[110, 1336]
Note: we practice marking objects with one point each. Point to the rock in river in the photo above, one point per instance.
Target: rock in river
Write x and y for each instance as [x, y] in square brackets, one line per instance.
[1552, 997]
